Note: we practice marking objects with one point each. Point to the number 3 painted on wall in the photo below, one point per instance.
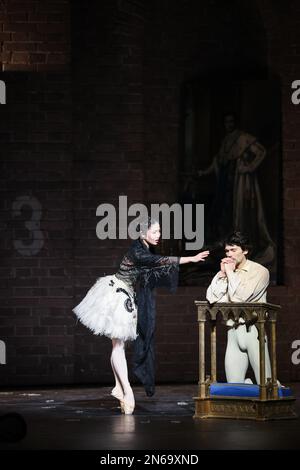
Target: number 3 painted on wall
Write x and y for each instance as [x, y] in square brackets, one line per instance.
[32, 225]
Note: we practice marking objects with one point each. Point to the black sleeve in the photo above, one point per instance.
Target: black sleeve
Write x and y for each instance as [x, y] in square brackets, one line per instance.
[155, 270]
[163, 276]
[144, 258]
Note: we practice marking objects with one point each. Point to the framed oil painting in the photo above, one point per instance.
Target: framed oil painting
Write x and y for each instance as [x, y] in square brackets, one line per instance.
[230, 161]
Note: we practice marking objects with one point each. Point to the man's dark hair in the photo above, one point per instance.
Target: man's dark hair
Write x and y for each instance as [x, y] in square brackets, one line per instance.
[239, 239]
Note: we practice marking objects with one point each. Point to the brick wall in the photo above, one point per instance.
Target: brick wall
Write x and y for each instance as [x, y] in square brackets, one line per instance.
[36, 193]
[94, 112]
[35, 35]
[108, 146]
[282, 34]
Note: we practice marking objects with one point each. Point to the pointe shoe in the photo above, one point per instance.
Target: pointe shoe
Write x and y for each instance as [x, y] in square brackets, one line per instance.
[119, 396]
[122, 406]
[129, 403]
[128, 408]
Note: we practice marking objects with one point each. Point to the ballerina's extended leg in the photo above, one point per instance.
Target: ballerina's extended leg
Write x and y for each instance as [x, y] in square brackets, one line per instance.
[119, 365]
[117, 391]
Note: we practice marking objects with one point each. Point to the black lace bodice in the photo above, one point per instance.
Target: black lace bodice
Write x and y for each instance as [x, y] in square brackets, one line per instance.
[139, 264]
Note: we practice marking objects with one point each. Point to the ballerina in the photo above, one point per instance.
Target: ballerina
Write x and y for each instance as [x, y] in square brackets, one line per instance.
[110, 306]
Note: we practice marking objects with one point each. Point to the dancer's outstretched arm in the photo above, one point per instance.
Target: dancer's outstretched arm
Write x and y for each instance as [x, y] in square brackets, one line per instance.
[194, 259]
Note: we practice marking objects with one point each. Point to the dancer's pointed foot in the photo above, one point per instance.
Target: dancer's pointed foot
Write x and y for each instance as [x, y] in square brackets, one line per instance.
[117, 392]
[119, 395]
[129, 402]
[128, 408]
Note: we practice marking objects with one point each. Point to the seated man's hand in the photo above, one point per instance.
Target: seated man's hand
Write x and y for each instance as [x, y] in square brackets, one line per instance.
[222, 265]
[229, 265]
[224, 262]
[226, 265]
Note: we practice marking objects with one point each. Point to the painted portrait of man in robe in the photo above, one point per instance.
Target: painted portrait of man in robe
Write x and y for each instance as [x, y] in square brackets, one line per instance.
[231, 163]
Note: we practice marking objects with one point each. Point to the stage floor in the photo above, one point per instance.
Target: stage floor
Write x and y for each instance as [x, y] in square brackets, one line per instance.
[89, 418]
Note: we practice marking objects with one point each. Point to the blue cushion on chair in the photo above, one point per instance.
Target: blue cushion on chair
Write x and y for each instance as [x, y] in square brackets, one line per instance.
[242, 390]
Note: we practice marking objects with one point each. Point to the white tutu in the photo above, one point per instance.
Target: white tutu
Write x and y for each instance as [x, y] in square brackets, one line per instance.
[109, 309]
